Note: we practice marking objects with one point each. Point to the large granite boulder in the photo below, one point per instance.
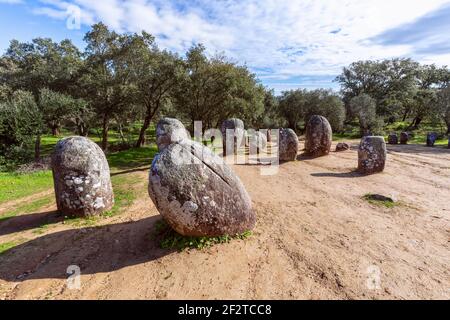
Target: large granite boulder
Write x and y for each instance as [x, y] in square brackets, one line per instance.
[287, 145]
[404, 137]
[197, 193]
[81, 178]
[431, 139]
[170, 130]
[238, 140]
[393, 138]
[372, 155]
[318, 136]
[342, 146]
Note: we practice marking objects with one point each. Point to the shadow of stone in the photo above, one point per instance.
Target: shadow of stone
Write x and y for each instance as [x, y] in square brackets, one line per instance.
[93, 249]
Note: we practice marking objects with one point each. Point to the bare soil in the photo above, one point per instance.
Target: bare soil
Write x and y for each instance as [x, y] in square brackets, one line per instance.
[316, 238]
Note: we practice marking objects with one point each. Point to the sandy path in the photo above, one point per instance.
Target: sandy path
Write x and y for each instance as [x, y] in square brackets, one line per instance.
[315, 238]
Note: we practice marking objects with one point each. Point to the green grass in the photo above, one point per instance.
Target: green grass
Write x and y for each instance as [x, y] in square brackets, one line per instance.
[374, 199]
[14, 185]
[27, 207]
[132, 158]
[170, 239]
[42, 229]
[7, 246]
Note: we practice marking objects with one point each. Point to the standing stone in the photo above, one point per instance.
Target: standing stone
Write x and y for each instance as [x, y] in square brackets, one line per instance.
[169, 130]
[371, 155]
[269, 135]
[287, 145]
[239, 133]
[197, 193]
[81, 178]
[318, 136]
[431, 139]
[393, 138]
[342, 146]
[257, 141]
[404, 137]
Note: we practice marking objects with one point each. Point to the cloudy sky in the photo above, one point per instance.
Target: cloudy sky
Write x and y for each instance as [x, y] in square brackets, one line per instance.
[288, 44]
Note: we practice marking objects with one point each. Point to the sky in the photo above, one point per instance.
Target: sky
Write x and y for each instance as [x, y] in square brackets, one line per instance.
[288, 44]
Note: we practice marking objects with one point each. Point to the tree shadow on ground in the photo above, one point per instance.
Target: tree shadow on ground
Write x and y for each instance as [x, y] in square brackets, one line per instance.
[29, 221]
[417, 148]
[132, 158]
[130, 171]
[94, 250]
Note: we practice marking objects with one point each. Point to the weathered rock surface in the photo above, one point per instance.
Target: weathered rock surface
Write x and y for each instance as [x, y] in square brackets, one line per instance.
[169, 130]
[81, 178]
[431, 139]
[318, 136]
[404, 137]
[257, 141]
[342, 146]
[197, 193]
[239, 134]
[287, 145]
[372, 155]
[393, 138]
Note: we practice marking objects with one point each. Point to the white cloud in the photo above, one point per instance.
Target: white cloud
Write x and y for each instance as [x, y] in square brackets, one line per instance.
[283, 38]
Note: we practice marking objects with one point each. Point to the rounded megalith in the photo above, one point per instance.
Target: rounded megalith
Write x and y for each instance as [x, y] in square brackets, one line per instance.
[393, 138]
[342, 146]
[431, 139]
[287, 145]
[404, 137]
[372, 155]
[257, 141]
[169, 130]
[197, 193]
[81, 178]
[239, 138]
[318, 136]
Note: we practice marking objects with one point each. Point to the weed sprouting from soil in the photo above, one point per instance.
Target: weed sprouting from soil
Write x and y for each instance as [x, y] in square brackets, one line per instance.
[170, 239]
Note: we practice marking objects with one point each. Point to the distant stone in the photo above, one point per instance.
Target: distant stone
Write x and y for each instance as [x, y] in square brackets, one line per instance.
[81, 178]
[431, 139]
[393, 138]
[197, 193]
[169, 130]
[318, 136]
[372, 155]
[404, 137]
[257, 141]
[342, 146]
[269, 135]
[238, 140]
[287, 145]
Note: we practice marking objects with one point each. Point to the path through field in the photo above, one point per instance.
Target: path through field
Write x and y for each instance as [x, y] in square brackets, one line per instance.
[315, 238]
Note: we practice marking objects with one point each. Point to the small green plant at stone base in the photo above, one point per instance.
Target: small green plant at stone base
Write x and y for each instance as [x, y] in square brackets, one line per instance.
[170, 239]
[6, 246]
[379, 200]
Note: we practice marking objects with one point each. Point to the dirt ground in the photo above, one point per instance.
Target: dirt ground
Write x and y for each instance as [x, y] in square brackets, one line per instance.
[316, 238]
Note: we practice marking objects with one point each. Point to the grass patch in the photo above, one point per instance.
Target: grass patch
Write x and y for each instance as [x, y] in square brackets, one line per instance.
[27, 207]
[14, 185]
[170, 239]
[6, 246]
[132, 158]
[379, 200]
[42, 229]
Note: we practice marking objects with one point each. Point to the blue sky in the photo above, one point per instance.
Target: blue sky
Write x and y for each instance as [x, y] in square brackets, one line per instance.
[289, 44]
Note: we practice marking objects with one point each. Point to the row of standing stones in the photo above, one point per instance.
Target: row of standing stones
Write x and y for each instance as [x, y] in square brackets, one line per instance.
[404, 137]
[203, 198]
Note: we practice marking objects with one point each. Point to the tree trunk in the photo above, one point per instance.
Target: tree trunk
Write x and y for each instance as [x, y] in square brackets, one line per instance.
[121, 133]
[448, 128]
[105, 132]
[37, 148]
[141, 140]
[55, 130]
